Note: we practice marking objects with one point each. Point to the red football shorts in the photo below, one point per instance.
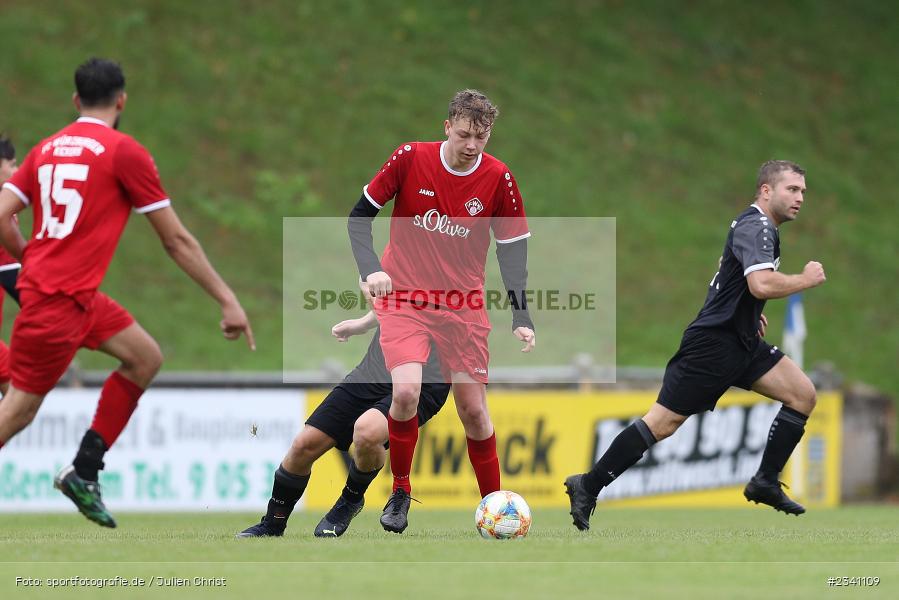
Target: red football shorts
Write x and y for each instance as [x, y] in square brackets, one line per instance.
[49, 330]
[459, 336]
[4, 362]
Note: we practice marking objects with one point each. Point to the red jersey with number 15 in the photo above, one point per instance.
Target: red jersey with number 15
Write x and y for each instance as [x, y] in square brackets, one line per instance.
[82, 184]
[441, 222]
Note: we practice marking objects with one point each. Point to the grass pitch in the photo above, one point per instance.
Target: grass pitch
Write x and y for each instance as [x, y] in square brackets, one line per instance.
[634, 553]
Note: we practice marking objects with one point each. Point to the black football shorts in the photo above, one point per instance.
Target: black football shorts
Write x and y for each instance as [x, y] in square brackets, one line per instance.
[337, 413]
[709, 362]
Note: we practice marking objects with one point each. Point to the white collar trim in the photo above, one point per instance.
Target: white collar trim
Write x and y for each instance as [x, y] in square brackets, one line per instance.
[92, 120]
[764, 216]
[477, 164]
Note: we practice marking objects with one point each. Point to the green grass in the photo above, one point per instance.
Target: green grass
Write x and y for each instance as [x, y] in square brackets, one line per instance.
[653, 112]
[724, 553]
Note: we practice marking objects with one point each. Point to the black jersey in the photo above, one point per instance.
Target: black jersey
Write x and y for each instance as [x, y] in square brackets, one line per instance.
[371, 379]
[753, 244]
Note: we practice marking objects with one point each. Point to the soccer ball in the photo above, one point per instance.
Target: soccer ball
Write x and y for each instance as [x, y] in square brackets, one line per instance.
[503, 516]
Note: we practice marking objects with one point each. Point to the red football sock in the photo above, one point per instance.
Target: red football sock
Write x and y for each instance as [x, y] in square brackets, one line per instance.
[403, 437]
[117, 401]
[482, 454]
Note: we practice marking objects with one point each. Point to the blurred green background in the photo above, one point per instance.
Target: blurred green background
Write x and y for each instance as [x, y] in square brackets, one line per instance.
[657, 113]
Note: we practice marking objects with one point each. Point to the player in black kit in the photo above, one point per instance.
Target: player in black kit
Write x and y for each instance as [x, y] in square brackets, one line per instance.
[723, 347]
[354, 412]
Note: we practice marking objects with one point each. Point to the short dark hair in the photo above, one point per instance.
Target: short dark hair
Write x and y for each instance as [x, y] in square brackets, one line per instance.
[475, 106]
[769, 173]
[7, 150]
[98, 82]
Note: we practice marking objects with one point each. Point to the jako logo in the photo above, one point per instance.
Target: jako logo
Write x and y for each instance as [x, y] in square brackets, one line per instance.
[425, 192]
[434, 221]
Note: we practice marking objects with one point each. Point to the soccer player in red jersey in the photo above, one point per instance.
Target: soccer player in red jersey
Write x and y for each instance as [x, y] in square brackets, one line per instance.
[82, 183]
[9, 266]
[449, 196]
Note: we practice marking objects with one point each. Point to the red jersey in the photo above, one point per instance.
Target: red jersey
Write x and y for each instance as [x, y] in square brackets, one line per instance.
[441, 222]
[82, 183]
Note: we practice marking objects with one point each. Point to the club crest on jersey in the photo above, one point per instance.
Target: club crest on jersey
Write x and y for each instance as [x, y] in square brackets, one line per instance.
[474, 206]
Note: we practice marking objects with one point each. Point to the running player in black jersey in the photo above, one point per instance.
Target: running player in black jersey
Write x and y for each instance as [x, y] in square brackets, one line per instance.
[354, 412]
[723, 347]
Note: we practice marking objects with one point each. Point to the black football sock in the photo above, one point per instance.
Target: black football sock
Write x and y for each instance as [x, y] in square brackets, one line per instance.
[357, 483]
[89, 459]
[625, 450]
[286, 492]
[785, 433]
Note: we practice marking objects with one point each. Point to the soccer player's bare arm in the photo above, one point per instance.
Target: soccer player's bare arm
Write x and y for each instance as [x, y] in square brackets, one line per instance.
[768, 284]
[346, 329]
[10, 236]
[187, 253]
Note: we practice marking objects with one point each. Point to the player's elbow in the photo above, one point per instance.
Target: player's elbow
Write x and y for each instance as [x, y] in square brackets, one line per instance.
[758, 286]
[179, 243]
[758, 291]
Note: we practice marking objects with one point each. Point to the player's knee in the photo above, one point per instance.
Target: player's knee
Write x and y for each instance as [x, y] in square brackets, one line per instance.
[807, 397]
[662, 422]
[664, 430]
[369, 435]
[406, 395]
[23, 416]
[664, 427]
[302, 452]
[473, 415]
[151, 361]
[143, 365]
[802, 396]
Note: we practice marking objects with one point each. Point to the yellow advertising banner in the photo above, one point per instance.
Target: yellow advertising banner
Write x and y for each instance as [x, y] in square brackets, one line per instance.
[542, 437]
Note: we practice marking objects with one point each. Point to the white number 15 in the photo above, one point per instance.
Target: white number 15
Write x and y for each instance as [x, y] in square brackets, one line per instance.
[52, 179]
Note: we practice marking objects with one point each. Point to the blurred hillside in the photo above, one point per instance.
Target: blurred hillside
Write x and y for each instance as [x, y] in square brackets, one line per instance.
[657, 113]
